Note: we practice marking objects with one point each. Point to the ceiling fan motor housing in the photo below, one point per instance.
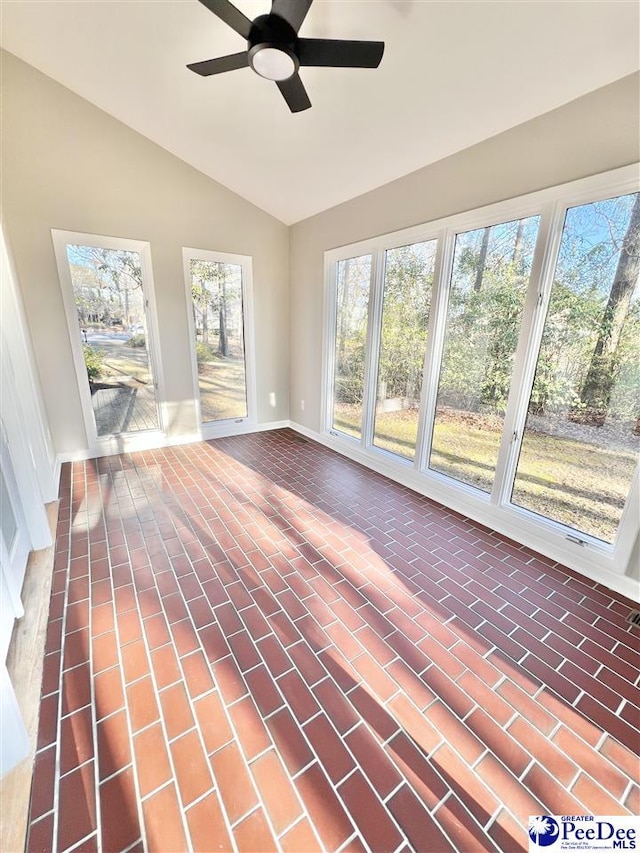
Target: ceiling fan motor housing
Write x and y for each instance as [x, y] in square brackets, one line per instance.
[273, 33]
[275, 52]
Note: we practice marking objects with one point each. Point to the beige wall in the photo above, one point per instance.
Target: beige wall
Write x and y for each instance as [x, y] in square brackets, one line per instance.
[592, 134]
[68, 165]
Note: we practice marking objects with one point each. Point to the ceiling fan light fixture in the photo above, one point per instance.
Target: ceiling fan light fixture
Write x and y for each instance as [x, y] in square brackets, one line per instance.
[273, 63]
[275, 51]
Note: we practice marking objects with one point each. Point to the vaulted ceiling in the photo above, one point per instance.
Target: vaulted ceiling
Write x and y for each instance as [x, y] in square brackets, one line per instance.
[453, 74]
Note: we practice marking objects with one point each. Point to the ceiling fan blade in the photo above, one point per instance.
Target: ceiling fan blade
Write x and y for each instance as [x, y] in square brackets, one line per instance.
[294, 93]
[293, 11]
[340, 53]
[220, 64]
[228, 13]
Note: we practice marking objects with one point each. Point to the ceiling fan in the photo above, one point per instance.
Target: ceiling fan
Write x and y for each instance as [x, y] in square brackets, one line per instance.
[275, 52]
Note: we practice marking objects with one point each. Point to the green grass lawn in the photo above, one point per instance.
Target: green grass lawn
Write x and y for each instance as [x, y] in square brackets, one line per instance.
[578, 483]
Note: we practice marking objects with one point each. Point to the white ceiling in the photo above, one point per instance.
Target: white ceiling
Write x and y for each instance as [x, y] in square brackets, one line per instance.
[453, 73]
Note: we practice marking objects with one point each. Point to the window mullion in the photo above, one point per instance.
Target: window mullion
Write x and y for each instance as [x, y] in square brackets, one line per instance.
[372, 350]
[153, 344]
[329, 359]
[628, 528]
[526, 358]
[435, 343]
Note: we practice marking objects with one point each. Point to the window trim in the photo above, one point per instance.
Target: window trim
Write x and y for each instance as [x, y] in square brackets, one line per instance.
[329, 349]
[495, 509]
[375, 361]
[117, 442]
[228, 426]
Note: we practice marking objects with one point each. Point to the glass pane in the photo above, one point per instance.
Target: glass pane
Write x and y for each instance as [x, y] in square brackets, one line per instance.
[109, 297]
[8, 521]
[408, 280]
[353, 281]
[491, 269]
[216, 290]
[582, 435]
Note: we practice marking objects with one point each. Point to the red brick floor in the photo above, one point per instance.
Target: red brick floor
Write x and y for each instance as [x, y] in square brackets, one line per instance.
[255, 644]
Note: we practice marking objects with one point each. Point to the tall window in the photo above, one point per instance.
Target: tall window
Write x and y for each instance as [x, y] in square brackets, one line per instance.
[582, 435]
[105, 286]
[353, 279]
[491, 270]
[500, 350]
[217, 299]
[408, 280]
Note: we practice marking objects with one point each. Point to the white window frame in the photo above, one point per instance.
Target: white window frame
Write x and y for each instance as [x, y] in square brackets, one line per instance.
[579, 551]
[126, 441]
[329, 345]
[229, 426]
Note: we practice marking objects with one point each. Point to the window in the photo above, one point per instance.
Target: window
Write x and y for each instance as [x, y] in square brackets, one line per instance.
[353, 279]
[408, 278]
[491, 270]
[496, 355]
[218, 288]
[582, 433]
[107, 288]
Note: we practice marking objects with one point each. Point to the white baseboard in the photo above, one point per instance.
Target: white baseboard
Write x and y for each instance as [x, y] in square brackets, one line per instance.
[211, 431]
[130, 444]
[57, 470]
[272, 425]
[594, 568]
[155, 441]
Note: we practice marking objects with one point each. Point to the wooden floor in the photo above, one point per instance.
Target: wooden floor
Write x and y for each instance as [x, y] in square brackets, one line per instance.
[24, 664]
[255, 645]
[126, 407]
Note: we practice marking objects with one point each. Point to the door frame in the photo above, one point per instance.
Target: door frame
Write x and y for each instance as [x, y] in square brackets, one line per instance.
[228, 426]
[117, 442]
[19, 350]
[13, 555]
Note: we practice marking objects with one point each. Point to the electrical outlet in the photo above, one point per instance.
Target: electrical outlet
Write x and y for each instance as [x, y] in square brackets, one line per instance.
[302, 405]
